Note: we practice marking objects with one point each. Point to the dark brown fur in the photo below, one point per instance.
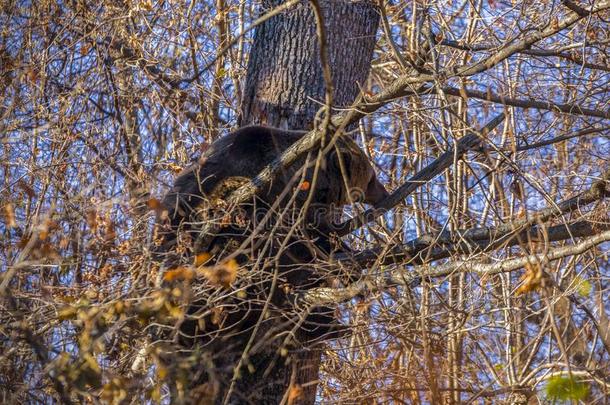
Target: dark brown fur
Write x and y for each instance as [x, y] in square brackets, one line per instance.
[245, 152]
[201, 191]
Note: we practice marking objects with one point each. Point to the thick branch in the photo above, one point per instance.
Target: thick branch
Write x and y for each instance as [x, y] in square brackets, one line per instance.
[436, 246]
[469, 142]
[575, 8]
[326, 296]
[598, 190]
[561, 138]
[421, 250]
[506, 265]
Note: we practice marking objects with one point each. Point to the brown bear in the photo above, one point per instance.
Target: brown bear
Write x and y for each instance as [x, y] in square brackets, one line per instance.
[237, 157]
[282, 237]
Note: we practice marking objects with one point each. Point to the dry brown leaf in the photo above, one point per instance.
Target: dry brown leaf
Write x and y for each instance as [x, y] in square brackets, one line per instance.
[223, 274]
[179, 273]
[91, 217]
[294, 392]
[27, 189]
[84, 49]
[9, 216]
[174, 167]
[153, 204]
[217, 315]
[201, 259]
[531, 279]
[110, 234]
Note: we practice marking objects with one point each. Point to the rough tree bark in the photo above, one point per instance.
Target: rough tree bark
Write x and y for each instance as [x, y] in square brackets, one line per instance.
[285, 88]
[284, 84]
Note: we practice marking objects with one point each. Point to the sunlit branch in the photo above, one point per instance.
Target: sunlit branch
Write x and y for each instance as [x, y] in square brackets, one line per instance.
[561, 138]
[568, 108]
[469, 142]
[436, 246]
[399, 276]
[533, 52]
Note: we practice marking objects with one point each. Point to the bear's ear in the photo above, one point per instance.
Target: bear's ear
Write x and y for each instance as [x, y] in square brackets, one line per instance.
[375, 191]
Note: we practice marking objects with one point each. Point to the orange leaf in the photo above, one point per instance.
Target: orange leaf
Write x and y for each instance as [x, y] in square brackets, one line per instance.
[294, 393]
[532, 278]
[223, 274]
[47, 226]
[146, 5]
[174, 167]
[32, 75]
[153, 204]
[305, 185]
[84, 49]
[202, 258]
[179, 273]
[64, 243]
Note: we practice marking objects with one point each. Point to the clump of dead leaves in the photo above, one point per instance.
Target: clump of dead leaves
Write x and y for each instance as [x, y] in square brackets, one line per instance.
[222, 274]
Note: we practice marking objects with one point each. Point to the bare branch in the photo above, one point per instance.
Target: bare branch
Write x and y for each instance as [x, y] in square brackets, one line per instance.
[533, 52]
[573, 109]
[427, 247]
[469, 142]
[575, 8]
[578, 134]
[505, 265]
[326, 296]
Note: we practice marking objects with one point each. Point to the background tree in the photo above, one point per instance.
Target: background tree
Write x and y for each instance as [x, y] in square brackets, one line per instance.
[486, 283]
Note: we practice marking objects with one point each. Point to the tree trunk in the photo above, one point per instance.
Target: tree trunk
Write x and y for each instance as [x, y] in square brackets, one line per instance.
[285, 88]
[284, 84]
